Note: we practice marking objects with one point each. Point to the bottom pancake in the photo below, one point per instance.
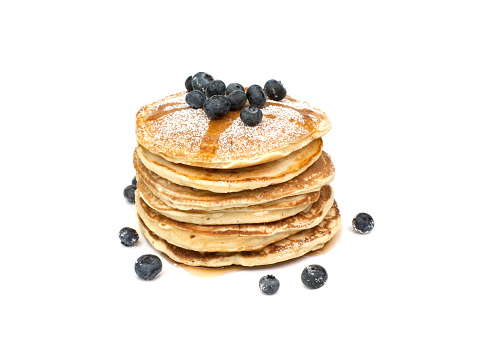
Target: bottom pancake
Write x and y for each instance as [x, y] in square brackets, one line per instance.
[291, 247]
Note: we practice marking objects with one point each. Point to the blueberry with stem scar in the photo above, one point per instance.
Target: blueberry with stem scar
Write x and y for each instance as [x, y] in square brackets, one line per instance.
[269, 284]
[314, 276]
[200, 80]
[234, 87]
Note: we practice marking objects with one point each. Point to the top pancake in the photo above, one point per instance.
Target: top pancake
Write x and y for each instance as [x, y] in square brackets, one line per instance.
[171, 129]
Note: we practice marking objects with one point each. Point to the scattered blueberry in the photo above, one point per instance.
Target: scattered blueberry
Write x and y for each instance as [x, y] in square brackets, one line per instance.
[251, 116]
[314, 276]
[275, 90]
[215, 87]
[200, 80]
[133, 181]
[256, 96]
[363, 223]
[128, 236]
[234, 87]
[237, 99]
[269, 284]
[195, 99]
[216, 107]
[189, 84]
[129, 193]
[148, 266]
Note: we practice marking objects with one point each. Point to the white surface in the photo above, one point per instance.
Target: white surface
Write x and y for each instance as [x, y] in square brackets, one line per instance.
[400, 85]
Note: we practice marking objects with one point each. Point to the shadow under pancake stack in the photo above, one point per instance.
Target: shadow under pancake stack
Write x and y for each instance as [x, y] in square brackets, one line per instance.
[216, 192]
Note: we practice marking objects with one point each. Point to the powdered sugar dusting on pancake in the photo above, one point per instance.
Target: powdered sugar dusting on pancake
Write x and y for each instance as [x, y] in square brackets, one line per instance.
[170, 127]
[240, 138]
[187, 123]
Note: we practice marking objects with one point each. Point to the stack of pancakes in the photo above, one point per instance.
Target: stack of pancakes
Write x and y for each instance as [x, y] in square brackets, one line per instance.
[215, 193]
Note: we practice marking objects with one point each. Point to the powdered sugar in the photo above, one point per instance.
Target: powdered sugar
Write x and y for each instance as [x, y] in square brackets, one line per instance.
[171, 127]
[268, 135]
[190, 125]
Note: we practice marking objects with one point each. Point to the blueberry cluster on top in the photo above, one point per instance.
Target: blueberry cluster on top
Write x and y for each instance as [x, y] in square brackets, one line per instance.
[217, 99]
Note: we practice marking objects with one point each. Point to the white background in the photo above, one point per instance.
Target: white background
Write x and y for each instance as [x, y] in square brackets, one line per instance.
[399, 82]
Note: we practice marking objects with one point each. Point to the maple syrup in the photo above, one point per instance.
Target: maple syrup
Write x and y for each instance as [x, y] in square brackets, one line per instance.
[204, 272]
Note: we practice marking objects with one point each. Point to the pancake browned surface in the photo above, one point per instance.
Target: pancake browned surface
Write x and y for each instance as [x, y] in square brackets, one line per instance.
[316, 176]
[171, 129]
[234, 180]
[233, 237]
[261, 213]
[294, 246]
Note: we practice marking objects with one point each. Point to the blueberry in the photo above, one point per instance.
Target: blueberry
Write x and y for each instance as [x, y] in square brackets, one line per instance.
[200, 80]
[363, 223]
[128, 236]
[256, 96]
[133, 181]
[234, 87]
[275, 90]
[314, 276]
[216, 106]
[269, 284]
[237, 99]
[189, 84]
[195, 99]
[251, 116]
[215, 87]
[129, 193]
[148, 266]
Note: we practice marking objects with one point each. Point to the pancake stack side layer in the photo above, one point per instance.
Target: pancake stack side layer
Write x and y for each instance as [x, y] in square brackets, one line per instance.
[216, 192]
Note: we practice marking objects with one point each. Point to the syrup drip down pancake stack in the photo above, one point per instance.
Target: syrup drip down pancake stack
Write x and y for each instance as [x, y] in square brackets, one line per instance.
[217, 192]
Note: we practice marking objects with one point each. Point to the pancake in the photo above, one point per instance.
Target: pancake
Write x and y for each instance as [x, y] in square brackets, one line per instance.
[268, 212]
[169, 128]
[234, 237]
[234, 180]
[294, 246]
[316, 176]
